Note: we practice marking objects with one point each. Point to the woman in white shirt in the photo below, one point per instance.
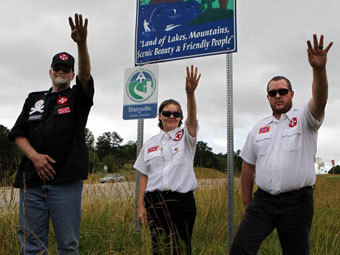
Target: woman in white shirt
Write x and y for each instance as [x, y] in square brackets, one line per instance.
[167, 182]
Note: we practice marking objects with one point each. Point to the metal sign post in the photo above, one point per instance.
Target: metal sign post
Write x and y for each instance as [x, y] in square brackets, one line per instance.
[140, 134]
[230, 150]
[140, 101]
[172, 30]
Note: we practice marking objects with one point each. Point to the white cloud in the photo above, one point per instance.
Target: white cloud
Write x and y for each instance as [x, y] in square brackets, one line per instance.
[271, 40]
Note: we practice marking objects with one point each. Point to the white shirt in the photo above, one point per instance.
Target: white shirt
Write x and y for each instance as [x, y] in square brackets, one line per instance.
[283, 151]
[167, 159]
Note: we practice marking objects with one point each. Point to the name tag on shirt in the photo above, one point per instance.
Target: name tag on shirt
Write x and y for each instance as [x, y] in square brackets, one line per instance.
[35, 117]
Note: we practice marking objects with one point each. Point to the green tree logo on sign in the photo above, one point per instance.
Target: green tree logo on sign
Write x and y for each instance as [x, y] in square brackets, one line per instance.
[141, 85]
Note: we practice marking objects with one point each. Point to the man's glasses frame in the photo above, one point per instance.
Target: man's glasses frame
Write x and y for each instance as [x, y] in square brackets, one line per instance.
[63, 68]
[168, 114]
[282, 92]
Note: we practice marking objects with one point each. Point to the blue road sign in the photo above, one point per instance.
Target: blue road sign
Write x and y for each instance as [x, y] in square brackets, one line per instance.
[140, 92]
[141, 111]
[176, 29]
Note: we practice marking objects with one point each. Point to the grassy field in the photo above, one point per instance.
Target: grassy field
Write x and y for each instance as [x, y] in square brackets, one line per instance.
[130, 175]
[108, 225]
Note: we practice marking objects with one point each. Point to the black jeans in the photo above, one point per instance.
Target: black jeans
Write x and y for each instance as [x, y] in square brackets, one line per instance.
[291, 213]
[171, 214]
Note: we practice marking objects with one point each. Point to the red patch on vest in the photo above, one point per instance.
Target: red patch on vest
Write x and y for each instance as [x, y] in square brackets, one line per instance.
[64, 110]
[62, 100]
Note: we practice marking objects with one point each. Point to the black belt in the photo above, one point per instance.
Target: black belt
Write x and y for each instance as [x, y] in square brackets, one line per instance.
[169, 193]
[286, 194]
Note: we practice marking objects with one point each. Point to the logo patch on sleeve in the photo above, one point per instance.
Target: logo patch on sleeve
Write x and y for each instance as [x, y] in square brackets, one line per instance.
[64, 110]
[153, 148]
[265, 129]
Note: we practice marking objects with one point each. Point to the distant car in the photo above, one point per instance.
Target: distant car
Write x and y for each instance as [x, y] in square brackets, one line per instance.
[112, 178]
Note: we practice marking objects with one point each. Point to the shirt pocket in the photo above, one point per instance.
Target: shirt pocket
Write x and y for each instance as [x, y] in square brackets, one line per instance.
[178, 153]
[292, 139]
[35, 125]
[153, 161]
[64, 119]
[262, 142]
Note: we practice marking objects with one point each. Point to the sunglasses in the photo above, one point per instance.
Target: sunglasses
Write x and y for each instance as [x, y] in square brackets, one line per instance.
[168, 114]
[63, 68]
[282, 92]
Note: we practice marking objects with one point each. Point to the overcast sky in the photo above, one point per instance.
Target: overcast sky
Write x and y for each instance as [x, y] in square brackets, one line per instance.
[271, 36]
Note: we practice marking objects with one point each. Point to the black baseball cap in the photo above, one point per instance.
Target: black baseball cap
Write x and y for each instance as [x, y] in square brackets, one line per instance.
[64, 58]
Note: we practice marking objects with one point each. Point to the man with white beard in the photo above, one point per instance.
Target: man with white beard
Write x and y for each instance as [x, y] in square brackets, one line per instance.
[50, 132]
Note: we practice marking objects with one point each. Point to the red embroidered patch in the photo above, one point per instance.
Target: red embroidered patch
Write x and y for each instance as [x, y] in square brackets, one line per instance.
[62, 100]
[63, 57]
[264, 129]
[293, 122]
[179, 135]
[153, 148]
[64, 110]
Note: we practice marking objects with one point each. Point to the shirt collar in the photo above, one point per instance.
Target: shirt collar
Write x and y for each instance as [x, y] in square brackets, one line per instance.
[55, 92]
[171, 133]
[289, 114]
[270, 119]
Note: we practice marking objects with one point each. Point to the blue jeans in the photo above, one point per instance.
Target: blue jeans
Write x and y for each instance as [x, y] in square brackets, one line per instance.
[291, 213]
[61, 203]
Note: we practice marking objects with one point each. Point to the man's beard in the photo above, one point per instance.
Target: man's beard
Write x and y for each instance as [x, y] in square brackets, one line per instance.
[60, 82]
[287, 107]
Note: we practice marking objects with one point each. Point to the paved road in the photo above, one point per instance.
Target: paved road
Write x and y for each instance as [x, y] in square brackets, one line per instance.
[109, 191]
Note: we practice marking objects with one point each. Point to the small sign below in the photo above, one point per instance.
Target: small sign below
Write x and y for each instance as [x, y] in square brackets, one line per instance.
[140, 92]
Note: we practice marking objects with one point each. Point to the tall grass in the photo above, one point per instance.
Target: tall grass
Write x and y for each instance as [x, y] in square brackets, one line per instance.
[108, 220]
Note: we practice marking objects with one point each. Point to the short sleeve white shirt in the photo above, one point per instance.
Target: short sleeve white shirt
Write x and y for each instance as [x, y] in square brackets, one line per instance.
[283, 151]
[167, 159]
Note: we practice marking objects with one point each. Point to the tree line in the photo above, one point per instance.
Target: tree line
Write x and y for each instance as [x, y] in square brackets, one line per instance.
[109, 150]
